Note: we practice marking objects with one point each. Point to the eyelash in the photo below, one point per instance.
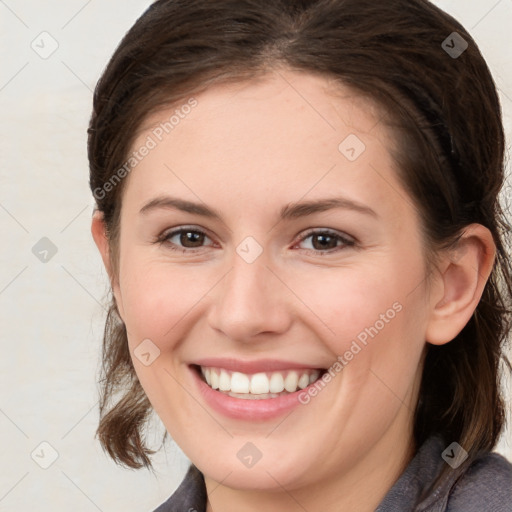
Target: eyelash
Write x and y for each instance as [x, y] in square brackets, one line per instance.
[165, 239]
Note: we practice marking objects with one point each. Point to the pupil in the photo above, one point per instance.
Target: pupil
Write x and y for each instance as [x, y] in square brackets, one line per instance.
[191, 236]
[324, 237]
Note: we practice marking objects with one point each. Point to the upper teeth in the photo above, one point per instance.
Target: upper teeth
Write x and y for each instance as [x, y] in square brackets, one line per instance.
[259, 383]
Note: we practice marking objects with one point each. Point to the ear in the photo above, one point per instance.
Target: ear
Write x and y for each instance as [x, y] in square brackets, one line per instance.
[99, 234]
[457, 290]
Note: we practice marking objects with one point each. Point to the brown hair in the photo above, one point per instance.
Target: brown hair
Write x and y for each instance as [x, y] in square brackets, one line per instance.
[446, 116]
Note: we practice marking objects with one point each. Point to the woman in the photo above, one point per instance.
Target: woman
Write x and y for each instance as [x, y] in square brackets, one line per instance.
[297, 206]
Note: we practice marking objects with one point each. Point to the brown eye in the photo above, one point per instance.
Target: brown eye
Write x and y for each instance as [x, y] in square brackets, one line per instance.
[323, 241]
[326, 241]
[191, 237]
[184, 239]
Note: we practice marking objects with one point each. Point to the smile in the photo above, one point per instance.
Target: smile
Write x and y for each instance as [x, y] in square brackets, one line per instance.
[261, 385]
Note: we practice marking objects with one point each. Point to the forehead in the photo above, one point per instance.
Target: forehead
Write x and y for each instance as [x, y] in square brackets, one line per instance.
[289, 98]
[287, 134]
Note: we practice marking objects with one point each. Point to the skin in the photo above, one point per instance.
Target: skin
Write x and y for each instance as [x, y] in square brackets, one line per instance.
[246, 150]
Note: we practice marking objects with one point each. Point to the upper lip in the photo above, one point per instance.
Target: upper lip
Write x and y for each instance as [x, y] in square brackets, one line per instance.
[256, 366]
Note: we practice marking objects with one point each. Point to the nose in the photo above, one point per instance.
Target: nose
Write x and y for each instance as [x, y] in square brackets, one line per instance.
[250, 301]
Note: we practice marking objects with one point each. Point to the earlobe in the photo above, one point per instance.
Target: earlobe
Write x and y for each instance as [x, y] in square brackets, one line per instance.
[459, 287]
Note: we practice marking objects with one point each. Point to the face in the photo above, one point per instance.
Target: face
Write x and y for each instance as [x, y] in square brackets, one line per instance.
[262, 286]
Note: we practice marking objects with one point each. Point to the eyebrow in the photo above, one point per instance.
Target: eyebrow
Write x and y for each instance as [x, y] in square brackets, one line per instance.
[289, 211]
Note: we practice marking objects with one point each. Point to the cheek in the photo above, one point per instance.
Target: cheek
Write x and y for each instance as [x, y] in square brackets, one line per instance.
[161, 302]
[373, 322]
[158, 297]
[350, 304]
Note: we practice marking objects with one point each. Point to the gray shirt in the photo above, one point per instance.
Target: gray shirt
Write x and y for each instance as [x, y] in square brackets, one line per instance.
[485, 485]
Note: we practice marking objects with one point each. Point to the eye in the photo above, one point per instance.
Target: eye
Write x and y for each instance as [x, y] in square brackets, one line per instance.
[186, 239]
[191, 239]
[326, 241]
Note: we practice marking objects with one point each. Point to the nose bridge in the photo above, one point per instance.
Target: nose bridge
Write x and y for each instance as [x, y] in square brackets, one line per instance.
[249, 300]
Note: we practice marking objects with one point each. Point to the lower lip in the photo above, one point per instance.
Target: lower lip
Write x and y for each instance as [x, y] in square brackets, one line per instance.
[242, 409]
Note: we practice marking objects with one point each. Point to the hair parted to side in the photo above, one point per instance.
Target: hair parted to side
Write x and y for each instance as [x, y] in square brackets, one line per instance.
[445, 115]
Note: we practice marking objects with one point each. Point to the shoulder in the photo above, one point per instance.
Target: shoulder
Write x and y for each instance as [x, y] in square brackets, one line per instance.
[486, 485]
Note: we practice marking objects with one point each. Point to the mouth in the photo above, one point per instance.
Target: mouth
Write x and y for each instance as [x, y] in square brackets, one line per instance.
[257, 386]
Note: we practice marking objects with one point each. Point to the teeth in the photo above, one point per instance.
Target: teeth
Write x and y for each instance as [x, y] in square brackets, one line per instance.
[314, 376]
[303, 381]
[259, 384]
[214, 377]
[276, 383]
[291, 381]
[224, 381]
[270, 384]
[239, 383]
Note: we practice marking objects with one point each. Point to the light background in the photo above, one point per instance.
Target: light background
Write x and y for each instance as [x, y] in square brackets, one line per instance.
[51, 314]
